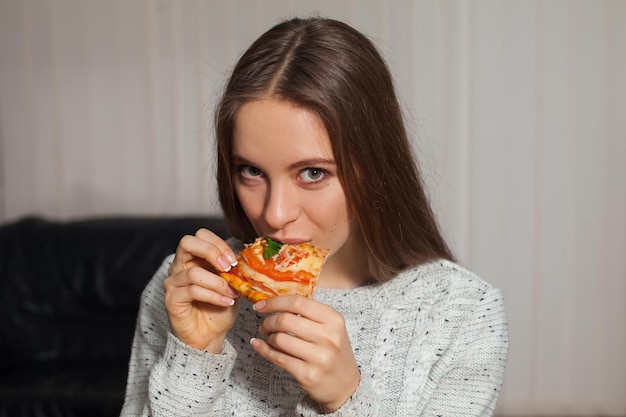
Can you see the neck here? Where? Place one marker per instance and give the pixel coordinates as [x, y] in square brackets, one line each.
[346, 268]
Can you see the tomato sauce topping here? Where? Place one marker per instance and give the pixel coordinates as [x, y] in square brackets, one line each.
[277, 266]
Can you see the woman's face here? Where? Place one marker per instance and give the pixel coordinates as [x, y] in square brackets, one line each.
[285, 177]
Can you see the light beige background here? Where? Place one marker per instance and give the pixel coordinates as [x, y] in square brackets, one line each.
[517, 110]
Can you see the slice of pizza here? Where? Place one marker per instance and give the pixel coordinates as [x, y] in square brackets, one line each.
[267, 268]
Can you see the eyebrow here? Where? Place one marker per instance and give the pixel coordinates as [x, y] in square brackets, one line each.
[311, 162]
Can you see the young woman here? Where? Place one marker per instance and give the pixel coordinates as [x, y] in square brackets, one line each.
[312, 147]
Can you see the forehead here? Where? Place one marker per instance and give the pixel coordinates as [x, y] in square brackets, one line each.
[269, 127]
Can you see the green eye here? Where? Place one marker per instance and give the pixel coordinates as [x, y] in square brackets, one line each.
[249, 171]
[312, 174]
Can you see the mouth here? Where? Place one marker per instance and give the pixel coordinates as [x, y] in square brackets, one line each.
[288, 240]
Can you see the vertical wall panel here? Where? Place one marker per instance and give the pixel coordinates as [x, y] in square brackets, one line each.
[555, 265]
[133, 106]
[42, 96]
[186, 77]
[71, 48]
[502, 172]
[613, 244]
[15, 106]
[102, 94]
[588, 79]
[164, 104]
[455, 124]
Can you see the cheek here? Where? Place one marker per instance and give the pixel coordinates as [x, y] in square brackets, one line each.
[249, 202]
[335, 216]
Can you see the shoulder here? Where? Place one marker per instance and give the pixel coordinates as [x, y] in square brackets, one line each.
[151, 306]
[463, 306]
[450, 291]
[441, 280]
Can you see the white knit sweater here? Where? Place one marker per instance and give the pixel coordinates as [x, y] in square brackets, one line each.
[431, 342]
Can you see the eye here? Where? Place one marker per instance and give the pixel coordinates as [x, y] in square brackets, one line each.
[312, 175]
[248, 171]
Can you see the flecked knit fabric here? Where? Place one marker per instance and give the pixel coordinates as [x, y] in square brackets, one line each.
[431, 342]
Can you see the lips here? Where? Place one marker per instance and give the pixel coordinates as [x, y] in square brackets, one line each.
[289, 240]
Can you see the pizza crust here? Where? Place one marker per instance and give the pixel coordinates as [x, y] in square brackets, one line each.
[245, 288]
[293, 270]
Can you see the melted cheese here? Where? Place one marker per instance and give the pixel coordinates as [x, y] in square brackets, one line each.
[280, 287]
[312, 260]
[290, 259]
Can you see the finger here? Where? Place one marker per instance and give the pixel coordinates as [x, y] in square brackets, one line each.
[223, 247]
[203, 249]
[296, 304]
[183, 296]
[307, 365]
[277, 356]
[208, 246]
[198, 284]
[302, 338]
[192, 251]
[291, 324]
[297, 347]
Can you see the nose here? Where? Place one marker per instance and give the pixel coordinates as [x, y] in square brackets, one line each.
[281, 206]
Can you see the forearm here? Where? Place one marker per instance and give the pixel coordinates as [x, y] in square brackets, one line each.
[188, 381]
[162, 367]
[182, 381]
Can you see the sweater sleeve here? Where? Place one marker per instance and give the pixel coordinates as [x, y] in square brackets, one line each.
[167, 377]
[472, 382]
[365, 402]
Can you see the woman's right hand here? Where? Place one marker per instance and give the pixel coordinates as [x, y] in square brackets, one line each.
[201, 306]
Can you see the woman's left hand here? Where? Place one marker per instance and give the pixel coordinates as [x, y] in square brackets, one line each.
[310, 341]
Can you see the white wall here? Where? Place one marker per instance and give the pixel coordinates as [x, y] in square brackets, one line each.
[518, 110]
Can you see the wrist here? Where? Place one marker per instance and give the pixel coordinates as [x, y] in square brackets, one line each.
[332, 406]
[215, 346]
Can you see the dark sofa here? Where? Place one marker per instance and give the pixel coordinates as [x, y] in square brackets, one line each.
[69, 295]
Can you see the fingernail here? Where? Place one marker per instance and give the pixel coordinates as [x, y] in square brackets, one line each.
[228, 301]
[224, 264]
[232, 259]
[233, 291]
[255, 342]
[259, 306]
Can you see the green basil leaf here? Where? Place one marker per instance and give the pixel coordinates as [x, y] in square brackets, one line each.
[272, 247]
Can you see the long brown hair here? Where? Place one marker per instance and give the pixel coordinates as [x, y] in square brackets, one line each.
[332, 69]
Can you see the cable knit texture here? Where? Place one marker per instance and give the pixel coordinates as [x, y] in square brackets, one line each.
[431, 342]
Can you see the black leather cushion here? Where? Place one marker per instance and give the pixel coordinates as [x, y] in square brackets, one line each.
[69, 296]
[62, 388]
